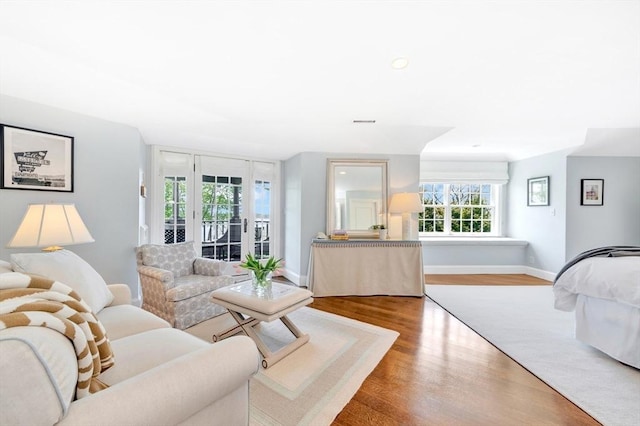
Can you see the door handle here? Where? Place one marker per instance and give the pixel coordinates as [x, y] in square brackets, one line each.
[246, 222]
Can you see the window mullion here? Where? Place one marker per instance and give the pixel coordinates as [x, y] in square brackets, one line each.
[447, 209]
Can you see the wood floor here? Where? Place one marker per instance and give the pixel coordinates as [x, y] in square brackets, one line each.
[440, 372]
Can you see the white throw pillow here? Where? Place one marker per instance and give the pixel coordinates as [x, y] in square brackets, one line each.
[70, 269]
[5, 267]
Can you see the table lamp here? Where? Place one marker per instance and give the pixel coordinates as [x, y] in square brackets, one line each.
[406, 203]
[51, 226]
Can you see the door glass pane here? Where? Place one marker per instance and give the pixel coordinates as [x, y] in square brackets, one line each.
[262, 219]
[175, 199]
[221, 228]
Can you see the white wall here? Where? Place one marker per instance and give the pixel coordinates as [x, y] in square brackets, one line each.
[542, 226]
[292, 219]
[617, 222]
[306, 210]
[106, 186]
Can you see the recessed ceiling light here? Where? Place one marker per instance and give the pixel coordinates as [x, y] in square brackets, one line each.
[399, 63]
[364, 121]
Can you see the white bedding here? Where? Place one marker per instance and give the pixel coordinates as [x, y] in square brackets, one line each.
[609, 278]
[611, 327]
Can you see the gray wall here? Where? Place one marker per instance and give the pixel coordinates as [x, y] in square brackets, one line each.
[106, 186]
[542, 226]
[617, 222]
[292, 219]
[305, 211]
[439, 256]
[110, 160]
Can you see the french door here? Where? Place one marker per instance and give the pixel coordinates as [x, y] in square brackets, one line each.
[224, 205]
[221, 207]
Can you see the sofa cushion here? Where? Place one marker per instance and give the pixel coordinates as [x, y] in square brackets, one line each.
[70, 269]
[126, 320]
[5, 267]
[177, 258]
[36, 364]
[144, 351]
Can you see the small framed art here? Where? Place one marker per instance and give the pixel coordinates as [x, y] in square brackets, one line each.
[592, 192]
[538, 191]
[35, 160]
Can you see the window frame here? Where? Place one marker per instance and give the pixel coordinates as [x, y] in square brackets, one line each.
[496, 202]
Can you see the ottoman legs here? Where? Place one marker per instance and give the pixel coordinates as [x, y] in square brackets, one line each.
[246, 325]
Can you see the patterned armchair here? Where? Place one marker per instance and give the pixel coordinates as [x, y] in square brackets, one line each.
[176, 283]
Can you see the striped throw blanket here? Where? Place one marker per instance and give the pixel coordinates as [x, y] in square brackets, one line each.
[29, 300]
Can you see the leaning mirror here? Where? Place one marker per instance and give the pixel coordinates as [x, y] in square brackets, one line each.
[356, 196]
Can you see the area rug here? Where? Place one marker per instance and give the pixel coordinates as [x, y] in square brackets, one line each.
[522, 322]
[313, 384]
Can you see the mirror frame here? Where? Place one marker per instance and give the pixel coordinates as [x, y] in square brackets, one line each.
[332, 163]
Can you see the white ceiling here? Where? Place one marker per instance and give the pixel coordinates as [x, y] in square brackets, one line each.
[486, 79]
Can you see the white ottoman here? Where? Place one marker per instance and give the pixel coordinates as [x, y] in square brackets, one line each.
[249, 309]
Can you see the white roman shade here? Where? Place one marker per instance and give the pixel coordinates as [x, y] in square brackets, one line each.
[495, 172]
[175, 163]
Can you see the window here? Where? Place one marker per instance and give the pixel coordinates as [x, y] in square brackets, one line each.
[175, 201]
[262, 218]
[459, 209]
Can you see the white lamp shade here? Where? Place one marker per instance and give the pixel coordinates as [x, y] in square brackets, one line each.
[405, 202]
[47, 225]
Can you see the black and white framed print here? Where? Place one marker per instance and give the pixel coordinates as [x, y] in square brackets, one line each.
[35, 160]
[538, 191]
[592, 192]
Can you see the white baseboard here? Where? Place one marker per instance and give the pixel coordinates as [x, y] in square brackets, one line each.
[301, 280]
[488, 269]
[297, 279]
[545, 275]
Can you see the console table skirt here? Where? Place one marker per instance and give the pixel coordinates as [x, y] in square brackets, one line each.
[366, 268]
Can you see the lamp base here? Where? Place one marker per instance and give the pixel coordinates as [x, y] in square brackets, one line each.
[52, 248]
[406, 226]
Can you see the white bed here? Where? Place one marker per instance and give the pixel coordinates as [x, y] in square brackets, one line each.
[605, 294]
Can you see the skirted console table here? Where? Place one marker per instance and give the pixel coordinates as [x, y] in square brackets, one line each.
[366, 268]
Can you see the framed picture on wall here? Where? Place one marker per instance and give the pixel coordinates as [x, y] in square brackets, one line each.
[592, 192]
[538, 191]
[35, 160]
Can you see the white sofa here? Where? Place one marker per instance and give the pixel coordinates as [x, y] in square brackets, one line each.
[161, 375]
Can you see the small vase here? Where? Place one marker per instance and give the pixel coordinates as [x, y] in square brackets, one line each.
[383, 234]
[262, 286]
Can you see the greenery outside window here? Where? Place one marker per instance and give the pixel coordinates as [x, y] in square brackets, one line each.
[175, 202]
[467, 209]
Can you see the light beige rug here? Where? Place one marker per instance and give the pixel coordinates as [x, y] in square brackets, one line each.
[522, 322]
[313, 384]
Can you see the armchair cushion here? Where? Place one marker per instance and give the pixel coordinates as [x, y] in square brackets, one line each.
[177, 258]
[210, 267]
[70, 269]
[194, 285]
